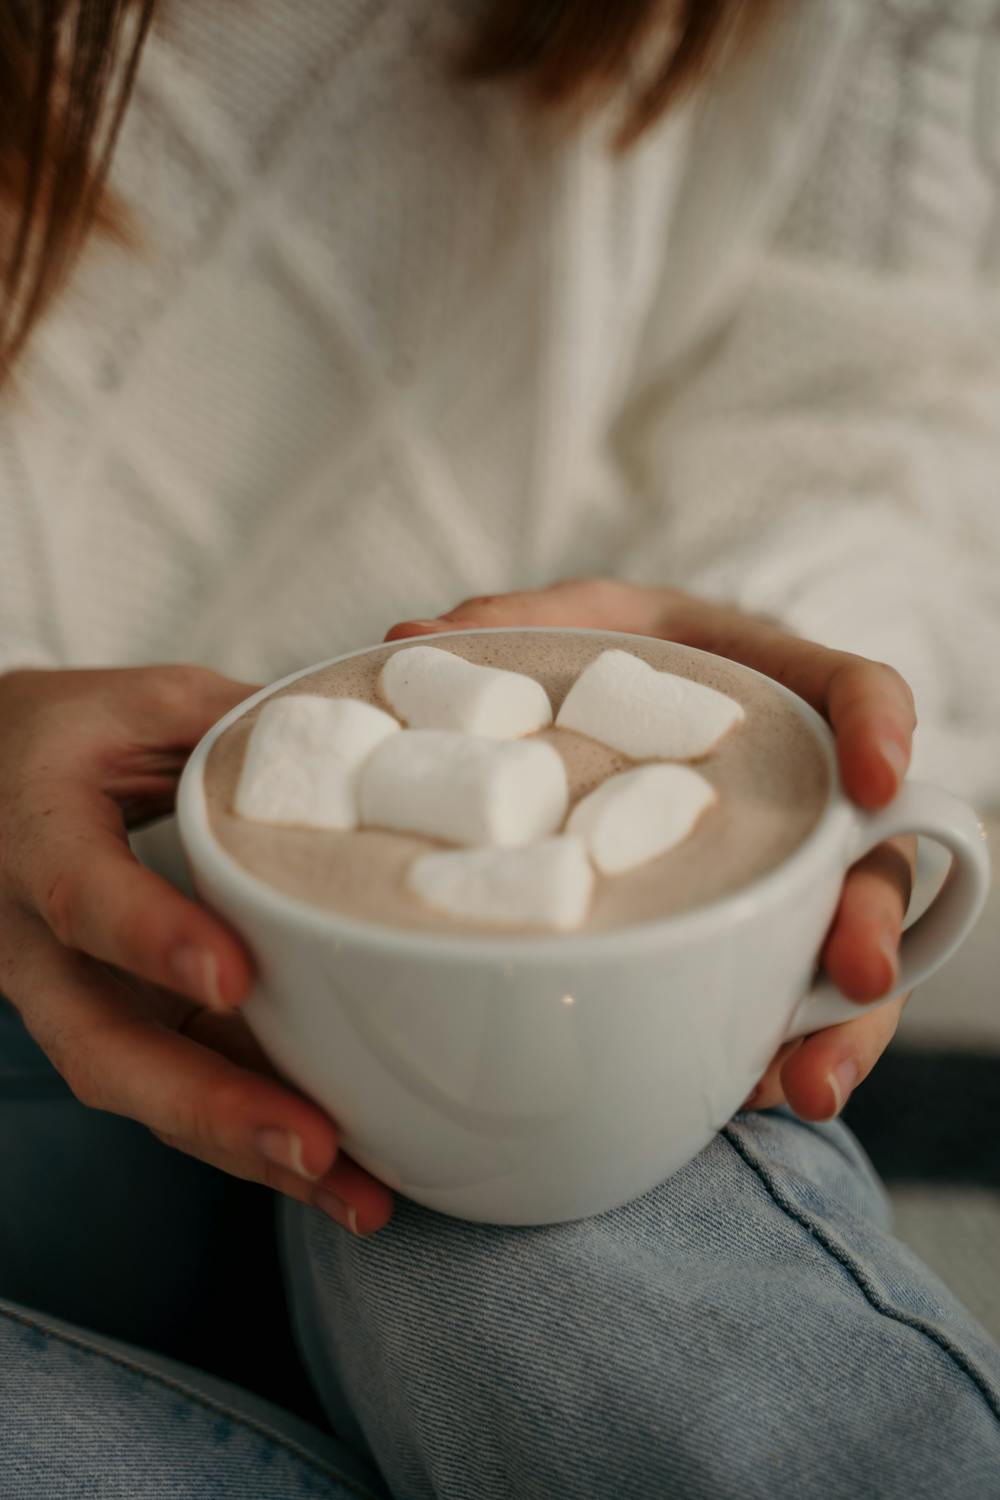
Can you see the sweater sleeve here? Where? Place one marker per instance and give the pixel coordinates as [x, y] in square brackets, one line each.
[830, 456]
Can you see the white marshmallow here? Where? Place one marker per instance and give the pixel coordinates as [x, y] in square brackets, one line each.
[646, 714]
[303, 758]
[465, 789]
[435, 689]
[634, 817]
[548, 884]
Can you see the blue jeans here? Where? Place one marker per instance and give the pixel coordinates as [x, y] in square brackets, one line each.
[750, 1328]
[116, 1253]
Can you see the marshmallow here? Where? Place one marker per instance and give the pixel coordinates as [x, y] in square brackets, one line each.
[435, 689]
[465, 789]
[640, 814]
[548, 884]
[303, 758]
[646, 714]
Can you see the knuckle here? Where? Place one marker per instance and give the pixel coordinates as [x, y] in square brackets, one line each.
[237, 1097]
[61, 902]
[610, 590]
[860, 674]
[131, 939]
[600, 594]
[164, 695]
[808, 661]
[193, 1127]
[898, 683]
[278, 1179]
[581, 581]
[884, 877]
[183, 677]
[478, 604]
[886, 674]
[170, 690]
[812, 660]
[80, 1080]
[70, 1050]
[600, 590]
[212, 1120]
[881, 1028]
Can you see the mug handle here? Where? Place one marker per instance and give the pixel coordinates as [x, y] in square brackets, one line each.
[918, 808]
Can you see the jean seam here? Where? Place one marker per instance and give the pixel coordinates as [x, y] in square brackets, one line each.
[818, 1232]
[170, 1383]
[837, 1139]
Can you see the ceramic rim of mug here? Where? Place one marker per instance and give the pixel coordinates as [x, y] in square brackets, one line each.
[203, 849]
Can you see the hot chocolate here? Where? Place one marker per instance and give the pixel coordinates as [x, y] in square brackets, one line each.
[768, 771]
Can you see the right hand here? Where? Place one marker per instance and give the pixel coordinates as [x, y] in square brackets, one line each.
[129, 988]
[871, 711]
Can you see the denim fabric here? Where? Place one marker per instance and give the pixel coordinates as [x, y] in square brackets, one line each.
[102, 1224]
[751, 1328]
[85, 1418]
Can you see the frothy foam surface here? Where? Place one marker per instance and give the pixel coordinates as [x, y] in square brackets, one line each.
[769, 772]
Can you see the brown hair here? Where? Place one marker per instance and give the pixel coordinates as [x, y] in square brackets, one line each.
[580, 52]
[67, 69]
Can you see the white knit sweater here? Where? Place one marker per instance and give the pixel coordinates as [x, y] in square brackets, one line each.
[391, 342]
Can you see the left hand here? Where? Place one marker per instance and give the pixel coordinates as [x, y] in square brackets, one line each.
[870, 709]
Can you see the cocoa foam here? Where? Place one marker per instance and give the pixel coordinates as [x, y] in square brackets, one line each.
[769, 772]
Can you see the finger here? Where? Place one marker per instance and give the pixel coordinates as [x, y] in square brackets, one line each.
[872, 713]
[225, 1032]
[95, 896]
[589, 603]
[115, 1058]
[861, 954]
[769, 1093]
[353, 1198]
[102, 724]
[172, 707]
[346, 1194]
[820, 1076]
[868, 704]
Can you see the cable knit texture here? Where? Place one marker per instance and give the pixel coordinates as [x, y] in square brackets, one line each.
[389, 342]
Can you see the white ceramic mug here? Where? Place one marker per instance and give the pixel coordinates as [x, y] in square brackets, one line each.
[528, 1080]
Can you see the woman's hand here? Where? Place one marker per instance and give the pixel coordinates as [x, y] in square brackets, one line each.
[129, 988]
[871, 711]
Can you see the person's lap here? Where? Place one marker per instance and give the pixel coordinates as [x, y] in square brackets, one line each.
[84, 1415]
[749, 1326]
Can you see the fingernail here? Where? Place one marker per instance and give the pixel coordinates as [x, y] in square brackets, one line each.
[282, 1148]
[336, 1209]
[195, 971]
[842, 1080]
[894, 755]
[407, 628]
